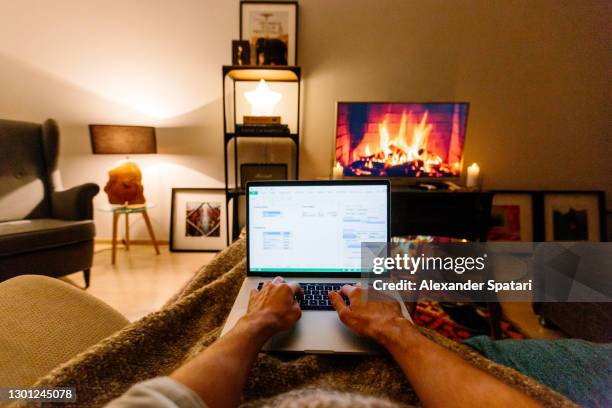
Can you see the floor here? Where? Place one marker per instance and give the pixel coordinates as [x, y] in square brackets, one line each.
[141, 282]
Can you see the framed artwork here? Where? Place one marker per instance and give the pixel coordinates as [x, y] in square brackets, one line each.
[270, 27]
[574, 216]
[512, 217]
[198, 220]
[241, 52]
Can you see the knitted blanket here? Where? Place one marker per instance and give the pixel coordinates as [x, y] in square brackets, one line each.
[160, 342]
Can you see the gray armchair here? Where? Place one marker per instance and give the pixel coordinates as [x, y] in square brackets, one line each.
[42, 230]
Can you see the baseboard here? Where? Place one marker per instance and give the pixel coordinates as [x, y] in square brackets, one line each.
[132, 241]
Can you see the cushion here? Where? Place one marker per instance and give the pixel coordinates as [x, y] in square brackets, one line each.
[45, 322]
[31, 235]
[23, 172]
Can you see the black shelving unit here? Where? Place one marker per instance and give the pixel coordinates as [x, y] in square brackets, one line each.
[242, 73]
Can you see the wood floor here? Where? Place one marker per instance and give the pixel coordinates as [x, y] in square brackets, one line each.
[141, 282]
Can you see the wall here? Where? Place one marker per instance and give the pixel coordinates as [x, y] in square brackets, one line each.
[124, 62]
[536, 74]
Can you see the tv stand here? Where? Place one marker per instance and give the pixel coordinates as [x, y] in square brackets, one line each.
[430, 185]
[452, 213]
[462, 214]
[438, 185]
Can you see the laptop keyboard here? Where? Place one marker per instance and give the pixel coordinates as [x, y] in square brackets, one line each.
[315, 295]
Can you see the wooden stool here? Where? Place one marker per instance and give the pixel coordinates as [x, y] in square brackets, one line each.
[127, 210]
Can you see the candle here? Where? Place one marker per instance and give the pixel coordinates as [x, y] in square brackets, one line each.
[472, 176]
[337, 172]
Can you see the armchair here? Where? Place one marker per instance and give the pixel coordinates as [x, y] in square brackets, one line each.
[43, 229]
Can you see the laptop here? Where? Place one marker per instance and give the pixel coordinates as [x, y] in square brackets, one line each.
[310, 232]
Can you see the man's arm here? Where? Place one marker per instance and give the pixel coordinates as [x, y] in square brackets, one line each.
[426, 364]
[219, 373]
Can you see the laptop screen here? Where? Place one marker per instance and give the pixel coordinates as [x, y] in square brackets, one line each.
[306, 228]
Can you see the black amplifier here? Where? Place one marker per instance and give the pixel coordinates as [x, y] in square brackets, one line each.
[262, 172]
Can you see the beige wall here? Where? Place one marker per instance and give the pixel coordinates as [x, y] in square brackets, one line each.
[536, 74]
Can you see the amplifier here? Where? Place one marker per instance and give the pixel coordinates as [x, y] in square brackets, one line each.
[262, 172]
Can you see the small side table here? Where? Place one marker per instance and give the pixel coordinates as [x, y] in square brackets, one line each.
[117, 210]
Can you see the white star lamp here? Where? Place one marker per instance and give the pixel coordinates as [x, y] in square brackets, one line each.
[262, 99]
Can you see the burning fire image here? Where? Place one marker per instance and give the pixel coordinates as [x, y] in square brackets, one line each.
[401, 140]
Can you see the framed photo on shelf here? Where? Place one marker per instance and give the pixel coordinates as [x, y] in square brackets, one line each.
[241, 52]
[512, 216]
[198, 220]
[270, 27]
[574, 216]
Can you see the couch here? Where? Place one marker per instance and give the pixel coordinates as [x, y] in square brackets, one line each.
[158, 343]
[43, 229]
[45, 322]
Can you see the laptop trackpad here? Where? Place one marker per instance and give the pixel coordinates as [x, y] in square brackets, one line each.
[321, 332]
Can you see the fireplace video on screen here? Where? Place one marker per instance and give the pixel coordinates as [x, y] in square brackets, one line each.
[420, 140]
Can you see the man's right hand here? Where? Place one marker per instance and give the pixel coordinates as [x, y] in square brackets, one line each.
[425, 363]
[379, 320]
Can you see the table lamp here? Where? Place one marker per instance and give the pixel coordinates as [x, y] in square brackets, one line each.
[124, 186]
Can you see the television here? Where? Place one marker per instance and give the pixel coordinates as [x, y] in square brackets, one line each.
[401, 140]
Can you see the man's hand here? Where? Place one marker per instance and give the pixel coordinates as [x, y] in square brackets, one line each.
[219, 373]
[274, 308]
[378, 320]
[425, 363]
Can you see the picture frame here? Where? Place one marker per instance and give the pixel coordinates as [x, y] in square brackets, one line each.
[574, 216]
[512, 216]
[198, 220]
[241, 52]
[271, 27]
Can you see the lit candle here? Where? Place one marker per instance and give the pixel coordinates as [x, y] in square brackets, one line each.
[472, 175]
[337, 171]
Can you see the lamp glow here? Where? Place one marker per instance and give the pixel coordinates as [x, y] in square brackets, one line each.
[262, 100]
